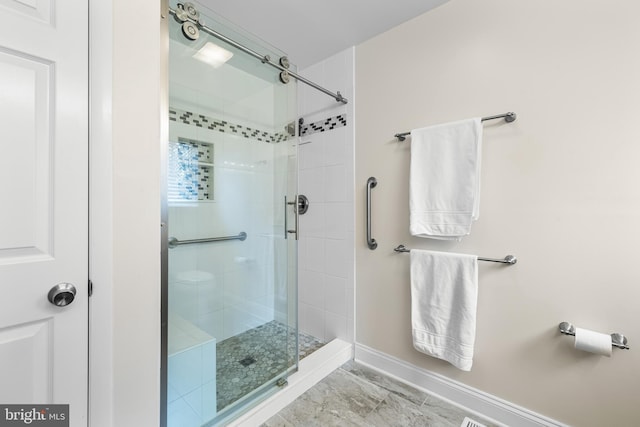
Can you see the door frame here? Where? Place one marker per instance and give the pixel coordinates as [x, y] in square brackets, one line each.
[124, 212]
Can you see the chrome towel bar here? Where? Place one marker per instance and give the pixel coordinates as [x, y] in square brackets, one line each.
[173, 242]
[509, 259]
[508, 117]
[617, 340]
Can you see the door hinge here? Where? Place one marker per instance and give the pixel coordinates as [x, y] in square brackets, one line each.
[90, 287]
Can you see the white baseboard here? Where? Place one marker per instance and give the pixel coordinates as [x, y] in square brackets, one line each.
[483, 404]
[311, 370]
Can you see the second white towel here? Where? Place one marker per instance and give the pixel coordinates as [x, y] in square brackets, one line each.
[444, 296]
[444, 187]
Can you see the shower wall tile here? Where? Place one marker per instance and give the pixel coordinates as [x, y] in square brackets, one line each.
[335, 146]
[180, 260]
[349, 299]
[336, 220]
[312, 100]
[203, 400]
[233, 265]
[350, 244]
[313, 222]
[208, 356]
[209, 298]
[313, 254]
[339, 73]
[312, 184]
[180, 413]
[309, 155]
[326, 177]
[335, 183]
[313, 319]
[335, 325]
[349, 169]
[213, 324]
[335, 298]
[185, 370]
[172, 394]
[336, 255]
[351, 328]
[349, 218]
[183, 301]
[311, 288]
[239, 319]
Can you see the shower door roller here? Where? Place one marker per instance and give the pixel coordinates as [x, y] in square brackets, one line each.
[285, 77]
[191, 11]
[62, 294]
[190, 30]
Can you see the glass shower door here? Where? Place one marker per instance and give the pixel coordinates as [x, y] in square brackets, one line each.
[231, 282]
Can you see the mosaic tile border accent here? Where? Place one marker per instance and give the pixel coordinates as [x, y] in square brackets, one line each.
[207, 122]
[324, 125]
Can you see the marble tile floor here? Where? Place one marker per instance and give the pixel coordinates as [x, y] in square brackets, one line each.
[355, 395]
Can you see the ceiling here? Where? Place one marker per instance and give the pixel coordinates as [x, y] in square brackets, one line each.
[310, 32]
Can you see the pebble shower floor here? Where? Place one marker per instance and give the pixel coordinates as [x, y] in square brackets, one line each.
[250, 359]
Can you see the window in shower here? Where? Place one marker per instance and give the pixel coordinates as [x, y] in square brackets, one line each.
[190, 171]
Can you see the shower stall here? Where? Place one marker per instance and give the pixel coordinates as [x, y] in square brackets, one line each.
[230, 211]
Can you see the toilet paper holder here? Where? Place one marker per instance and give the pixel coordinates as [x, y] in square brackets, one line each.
[617, 340]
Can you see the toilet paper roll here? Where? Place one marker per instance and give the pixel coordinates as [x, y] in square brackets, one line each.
[593, 342]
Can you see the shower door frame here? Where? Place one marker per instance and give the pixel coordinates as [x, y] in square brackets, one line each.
[164, 212]
[256, 395]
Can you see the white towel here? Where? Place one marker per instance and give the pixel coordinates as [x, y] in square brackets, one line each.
[444, 197]
[444, 295]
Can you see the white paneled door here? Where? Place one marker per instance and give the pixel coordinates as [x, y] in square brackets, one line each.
[44, 203]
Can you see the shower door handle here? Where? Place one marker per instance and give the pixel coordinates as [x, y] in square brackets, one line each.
[286, 223]
[297, 217]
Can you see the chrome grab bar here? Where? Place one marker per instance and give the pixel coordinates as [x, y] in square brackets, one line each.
[173, 242]
[371, 242]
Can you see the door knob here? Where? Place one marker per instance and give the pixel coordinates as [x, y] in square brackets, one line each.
[62, 294]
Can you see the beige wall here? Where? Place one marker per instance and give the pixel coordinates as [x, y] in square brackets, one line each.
[560, 190]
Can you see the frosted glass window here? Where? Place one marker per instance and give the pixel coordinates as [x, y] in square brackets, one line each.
[190, 171]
